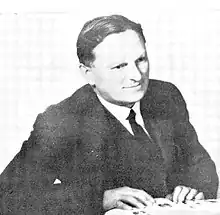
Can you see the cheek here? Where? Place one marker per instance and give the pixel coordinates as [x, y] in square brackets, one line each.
[116, 79]
[100, 79]
[109, 84]
[122, 81]
[113, 81]
[144, 68]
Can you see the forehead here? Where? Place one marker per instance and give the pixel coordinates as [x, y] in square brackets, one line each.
[119, 47]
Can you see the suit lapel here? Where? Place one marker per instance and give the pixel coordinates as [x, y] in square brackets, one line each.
[160, 129]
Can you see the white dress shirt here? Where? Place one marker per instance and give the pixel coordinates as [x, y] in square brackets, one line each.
[121, 113]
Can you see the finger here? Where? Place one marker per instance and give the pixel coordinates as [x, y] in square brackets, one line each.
[200, 196]
[163, 201]
[143, 197]
[132, 201]
[191, 195]
[169, 196]
[184, 192]
[123, 206]
[176, 193]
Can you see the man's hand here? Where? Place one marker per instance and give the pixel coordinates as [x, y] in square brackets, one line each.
[126, 198]
[183, 194]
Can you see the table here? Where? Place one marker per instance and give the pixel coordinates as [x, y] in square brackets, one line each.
[201, 207]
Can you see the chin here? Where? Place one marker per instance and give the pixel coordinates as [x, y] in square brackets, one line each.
[134, 98]
[137, 97]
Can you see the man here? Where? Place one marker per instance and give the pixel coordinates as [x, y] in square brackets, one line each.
[118, 142]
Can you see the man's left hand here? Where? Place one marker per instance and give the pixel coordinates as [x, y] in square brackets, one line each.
[183, 194]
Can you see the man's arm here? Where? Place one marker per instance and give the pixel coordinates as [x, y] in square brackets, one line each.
[194, 167]
[26, 184]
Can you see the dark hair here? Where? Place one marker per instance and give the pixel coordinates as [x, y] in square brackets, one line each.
[95, 31]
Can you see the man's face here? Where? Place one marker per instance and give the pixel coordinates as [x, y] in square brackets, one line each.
[121, 68]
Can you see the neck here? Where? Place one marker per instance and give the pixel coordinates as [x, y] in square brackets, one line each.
[119, 103]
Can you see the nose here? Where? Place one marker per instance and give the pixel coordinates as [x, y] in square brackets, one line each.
[135, 73]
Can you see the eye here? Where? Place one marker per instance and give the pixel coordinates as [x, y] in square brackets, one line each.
[119, 66]
[141, 59]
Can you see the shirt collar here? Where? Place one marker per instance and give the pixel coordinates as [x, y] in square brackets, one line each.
[136, 108]
[120, 112]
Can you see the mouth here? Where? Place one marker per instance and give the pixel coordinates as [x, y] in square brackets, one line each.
[133, 86]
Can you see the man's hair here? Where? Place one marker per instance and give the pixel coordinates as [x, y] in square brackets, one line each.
[96, 30]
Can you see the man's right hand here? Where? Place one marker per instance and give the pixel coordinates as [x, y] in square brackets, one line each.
[126, 198]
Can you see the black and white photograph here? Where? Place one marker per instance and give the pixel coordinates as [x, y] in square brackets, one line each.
[110, 107]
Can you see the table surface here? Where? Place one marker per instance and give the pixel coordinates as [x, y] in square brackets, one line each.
[202, 207]
[164, 212]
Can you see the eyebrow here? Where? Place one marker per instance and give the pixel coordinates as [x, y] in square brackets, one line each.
[121, 64]
[144, 54]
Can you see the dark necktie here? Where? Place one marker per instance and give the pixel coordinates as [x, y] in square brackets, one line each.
[143, 138]
[136, 128]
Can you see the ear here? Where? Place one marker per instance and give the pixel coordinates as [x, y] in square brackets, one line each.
[87, 73]
[84, 69]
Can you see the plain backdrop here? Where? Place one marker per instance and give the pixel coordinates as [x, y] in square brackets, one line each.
[39, 67]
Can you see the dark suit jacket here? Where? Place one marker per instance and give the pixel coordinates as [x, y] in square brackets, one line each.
[79, 142]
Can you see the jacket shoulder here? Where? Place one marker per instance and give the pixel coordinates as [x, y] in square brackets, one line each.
[74, 103]
[161, 87]
[164, 98]
[64, 117]
[164, 90]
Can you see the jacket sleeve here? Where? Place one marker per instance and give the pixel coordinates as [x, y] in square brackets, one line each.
[26, 184]
[194, 167]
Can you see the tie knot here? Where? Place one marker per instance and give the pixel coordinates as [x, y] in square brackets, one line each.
[131, 116]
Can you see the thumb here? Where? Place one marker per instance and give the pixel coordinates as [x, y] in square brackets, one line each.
[199, 196]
